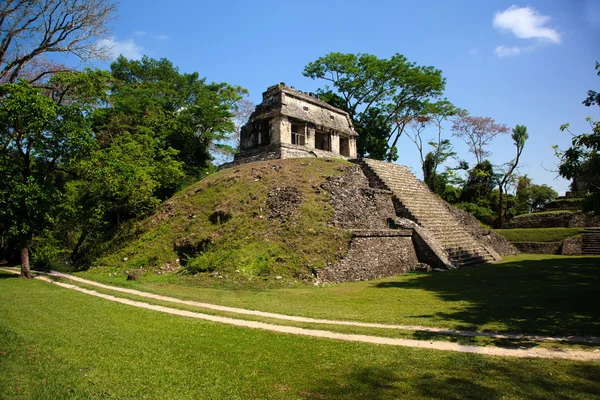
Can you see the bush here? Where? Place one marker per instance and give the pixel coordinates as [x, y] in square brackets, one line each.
[47, 253]
[480, 211]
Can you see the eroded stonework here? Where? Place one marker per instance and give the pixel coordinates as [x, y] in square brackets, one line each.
[292, 124]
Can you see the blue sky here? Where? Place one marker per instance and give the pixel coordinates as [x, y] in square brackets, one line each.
[519, 63]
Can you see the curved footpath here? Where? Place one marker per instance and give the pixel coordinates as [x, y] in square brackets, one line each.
[569, 354]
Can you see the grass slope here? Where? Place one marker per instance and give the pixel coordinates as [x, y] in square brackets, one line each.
[224, 224]
[58, 344]
[538, 235]
[527, 293]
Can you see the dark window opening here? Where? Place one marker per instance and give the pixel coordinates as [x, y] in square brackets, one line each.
[322, 141]
[345, 146]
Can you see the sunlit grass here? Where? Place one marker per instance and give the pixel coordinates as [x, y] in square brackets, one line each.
[538, 294]
[55, 343]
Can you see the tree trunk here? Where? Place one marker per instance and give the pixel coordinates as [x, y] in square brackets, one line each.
[500, 207]
[25, 257]
[75, 251]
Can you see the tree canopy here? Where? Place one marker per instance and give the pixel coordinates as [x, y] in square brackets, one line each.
[381, 95]
[581, 161]
[88, 150]
[30, 30]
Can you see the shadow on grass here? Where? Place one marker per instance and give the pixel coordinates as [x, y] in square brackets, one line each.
[476, 341]
[460, 377]
[7, 275]
[552, 296]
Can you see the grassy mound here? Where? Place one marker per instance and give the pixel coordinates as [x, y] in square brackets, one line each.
[538, 235]
[259, 219]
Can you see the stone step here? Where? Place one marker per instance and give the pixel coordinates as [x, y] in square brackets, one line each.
[428, 210]
[472, 263]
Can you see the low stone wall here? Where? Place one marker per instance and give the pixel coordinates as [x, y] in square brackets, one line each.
[278, 151]
[539, 248]
[592, 221]
[372, 257]
[265, 153]
[572, 245]
[556, 220]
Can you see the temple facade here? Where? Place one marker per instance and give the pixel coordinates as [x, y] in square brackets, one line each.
[290, 124]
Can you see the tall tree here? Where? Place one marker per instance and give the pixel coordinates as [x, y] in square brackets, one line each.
[519, 137]
[31, 30]
[397, 88]
[581, 161]
[433, 115]
[37, 137]
[477, 133]
[180, 111]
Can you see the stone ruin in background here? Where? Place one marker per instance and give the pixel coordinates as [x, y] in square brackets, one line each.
[291, 124]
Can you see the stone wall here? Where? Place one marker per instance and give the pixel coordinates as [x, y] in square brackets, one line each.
[539, 248]
[592, 221]
[356, 205]
[376, 250]
[275, 152]
[282, 107]
[572, 245]
[555, 220]
[371, 258]
[306, 108]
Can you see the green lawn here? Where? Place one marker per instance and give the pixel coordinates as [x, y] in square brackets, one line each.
[527, 293]
[538, 235]
[59, 344]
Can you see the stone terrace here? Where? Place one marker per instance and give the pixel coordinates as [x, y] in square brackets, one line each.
[418, 203]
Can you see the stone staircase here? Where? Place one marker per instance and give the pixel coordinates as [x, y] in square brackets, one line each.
[591, 241]
[415, 201]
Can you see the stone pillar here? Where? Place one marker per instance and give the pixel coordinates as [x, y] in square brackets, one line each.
[352, 145]
[310, 136]
[335, 142]
[281, 130]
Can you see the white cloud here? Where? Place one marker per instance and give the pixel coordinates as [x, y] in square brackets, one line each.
[128, 48]
[526, 23]
[158, 36]
[506, 51]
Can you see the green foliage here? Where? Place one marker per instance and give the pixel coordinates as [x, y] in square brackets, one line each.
[581, 161]
[38, 137]
[373, 129]
[538, 234]
[519, 136]
[49, 253]
[395, 88]
[481, 210]
[540, 195]
[480, 182]
[148, 131]
[179, 111]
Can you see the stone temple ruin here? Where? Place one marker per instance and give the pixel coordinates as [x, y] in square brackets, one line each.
[291, 124]
[397, 224]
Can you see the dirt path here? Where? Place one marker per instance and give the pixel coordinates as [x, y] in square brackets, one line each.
[415, 328]
[578, 355]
